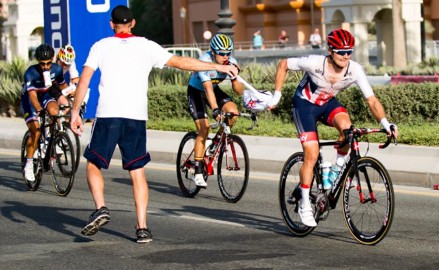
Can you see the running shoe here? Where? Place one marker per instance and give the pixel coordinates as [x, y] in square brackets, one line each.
[97, 219]
[143, 235]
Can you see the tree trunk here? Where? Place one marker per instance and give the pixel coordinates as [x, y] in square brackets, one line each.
[399, 48]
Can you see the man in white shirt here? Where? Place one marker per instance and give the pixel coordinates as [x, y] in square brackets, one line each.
[125, 62]
[315, 39]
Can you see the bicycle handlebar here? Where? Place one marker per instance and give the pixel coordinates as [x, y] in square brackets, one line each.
[358, 132]
[229, 115]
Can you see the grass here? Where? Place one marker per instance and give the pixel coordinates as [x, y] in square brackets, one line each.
[425, 134]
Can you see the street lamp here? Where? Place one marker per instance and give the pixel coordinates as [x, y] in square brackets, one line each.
[225, 22]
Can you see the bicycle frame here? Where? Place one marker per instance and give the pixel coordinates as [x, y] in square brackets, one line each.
[351, 136]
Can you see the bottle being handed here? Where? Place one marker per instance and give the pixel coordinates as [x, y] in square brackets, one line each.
[336, 170]
[326, 168]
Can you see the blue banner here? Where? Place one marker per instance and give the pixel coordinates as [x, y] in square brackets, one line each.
[80, 23]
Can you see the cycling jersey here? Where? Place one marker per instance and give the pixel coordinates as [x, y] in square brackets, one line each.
[216, 77]
[33, 81]
[313, 100]
[121, 93]
[70, 72]
[315, 88]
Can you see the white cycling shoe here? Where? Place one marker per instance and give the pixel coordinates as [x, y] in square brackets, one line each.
[306, 214]
[199, 180]
[29, 172]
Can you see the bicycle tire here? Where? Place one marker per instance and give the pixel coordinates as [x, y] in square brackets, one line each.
[62, 164]
[290, 194]
[232, 177]
[76, 143]
[185, 165]
[368, 222]
[38, 165]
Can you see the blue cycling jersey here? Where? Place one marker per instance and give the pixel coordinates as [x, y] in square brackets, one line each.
[216, 77]
[33, 79]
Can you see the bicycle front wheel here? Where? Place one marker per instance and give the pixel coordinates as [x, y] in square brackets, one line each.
[233, 169]
[185, 165]
[368, 214]
[38, 165]
[290, 195]
[74, 138]
[62, 163]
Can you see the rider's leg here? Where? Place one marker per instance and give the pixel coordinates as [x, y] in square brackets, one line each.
[230, 107]
[200, 142]
[342, 121]
[32, 142]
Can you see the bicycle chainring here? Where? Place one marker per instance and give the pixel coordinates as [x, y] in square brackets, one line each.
[322, 207]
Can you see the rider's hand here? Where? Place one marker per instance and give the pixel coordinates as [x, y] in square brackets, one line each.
[227, 62]
[391, 128]
[274, 100]
[216, 114]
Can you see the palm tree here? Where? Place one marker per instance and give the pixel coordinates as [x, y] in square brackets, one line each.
[399, 48]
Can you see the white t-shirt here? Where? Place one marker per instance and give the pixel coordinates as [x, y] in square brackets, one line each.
[125, 62]
[315, 88]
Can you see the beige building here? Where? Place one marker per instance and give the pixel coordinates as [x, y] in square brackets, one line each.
[193, 17]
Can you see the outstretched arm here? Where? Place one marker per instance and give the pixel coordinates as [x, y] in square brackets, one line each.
[378, 112]
[281, 74]
[81, 90]
[189, 63]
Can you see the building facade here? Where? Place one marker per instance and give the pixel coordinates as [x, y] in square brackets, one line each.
[299, 18]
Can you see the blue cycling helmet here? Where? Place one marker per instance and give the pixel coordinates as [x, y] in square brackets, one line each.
[221, 42]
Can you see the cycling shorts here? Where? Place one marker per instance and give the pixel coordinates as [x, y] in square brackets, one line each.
[306, 115]
[29, 111]
[128, 134]
[197, 101]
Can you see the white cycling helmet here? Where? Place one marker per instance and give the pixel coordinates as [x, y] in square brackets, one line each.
[256, 101]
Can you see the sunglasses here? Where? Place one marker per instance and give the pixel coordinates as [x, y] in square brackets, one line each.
[44, 64]
[343, 52]
[224, 53]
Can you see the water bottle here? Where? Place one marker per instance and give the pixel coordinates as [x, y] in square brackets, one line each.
[326, 168]
[208, 145]
[44, 147]
[336, 169]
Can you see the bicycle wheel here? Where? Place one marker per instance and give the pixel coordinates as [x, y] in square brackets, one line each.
[185, 165]
[62, 164]
[368, 214]
[290, 195]
[38, 165]
[74, 138]
[233, 169]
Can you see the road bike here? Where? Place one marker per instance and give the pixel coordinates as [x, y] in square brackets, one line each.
[230, 153]
[365, 185]
[55, 154]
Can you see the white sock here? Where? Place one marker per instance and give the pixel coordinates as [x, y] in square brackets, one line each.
[29, 160]
[305, 195]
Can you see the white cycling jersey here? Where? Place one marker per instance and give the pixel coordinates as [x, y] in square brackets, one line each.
[314, 86]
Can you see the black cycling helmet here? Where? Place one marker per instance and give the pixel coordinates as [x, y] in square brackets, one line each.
[44, 52]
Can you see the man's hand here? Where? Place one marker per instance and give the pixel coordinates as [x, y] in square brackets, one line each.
[76, 122]
[216, 114]
[231, 70]
[274, 100]
[391, 128]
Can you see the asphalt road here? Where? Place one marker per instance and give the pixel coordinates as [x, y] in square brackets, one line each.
[40, 230]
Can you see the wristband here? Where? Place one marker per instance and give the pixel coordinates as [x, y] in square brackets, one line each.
[385, 124]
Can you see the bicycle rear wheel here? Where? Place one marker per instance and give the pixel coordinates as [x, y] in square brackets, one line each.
[38, 165]
[62, 163]
[290, 195]
[185, 165]
[368, 214]
[233, 169]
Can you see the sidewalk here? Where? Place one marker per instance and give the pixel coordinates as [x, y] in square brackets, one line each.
[407, 165]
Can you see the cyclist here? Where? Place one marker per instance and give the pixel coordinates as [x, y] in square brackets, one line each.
[66, 59]
[325, 77]
[203, 89]
[36, 96]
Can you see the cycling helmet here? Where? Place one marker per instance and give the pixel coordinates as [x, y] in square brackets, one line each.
[256, 101]
[221, 42]
[66, 54]
[340, 39]
[44, 52]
